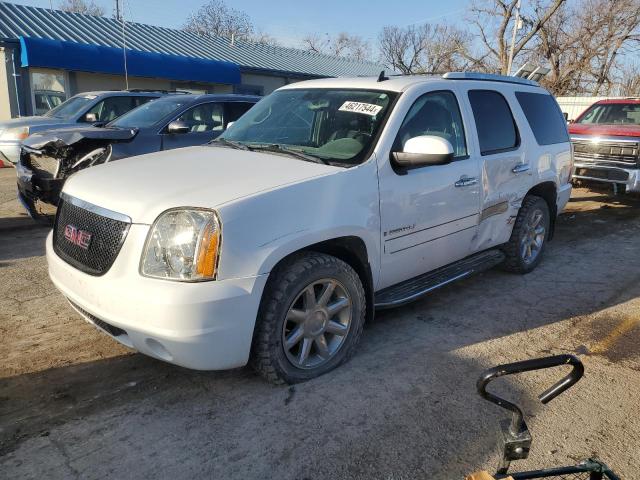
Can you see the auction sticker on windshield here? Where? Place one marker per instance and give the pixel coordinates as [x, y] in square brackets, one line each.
[359, 107]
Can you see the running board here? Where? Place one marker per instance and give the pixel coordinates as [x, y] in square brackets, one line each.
[416, 287]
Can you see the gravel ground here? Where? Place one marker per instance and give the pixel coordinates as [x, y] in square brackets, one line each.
[75, 404]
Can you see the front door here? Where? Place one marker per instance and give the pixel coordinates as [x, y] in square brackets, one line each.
[430, 214]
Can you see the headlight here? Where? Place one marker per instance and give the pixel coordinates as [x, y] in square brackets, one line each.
[19, 133]
[183, 244]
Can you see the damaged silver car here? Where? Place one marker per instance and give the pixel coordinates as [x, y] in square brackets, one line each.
[47, 159]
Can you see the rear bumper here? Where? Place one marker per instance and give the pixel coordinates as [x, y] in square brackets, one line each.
[630, 177]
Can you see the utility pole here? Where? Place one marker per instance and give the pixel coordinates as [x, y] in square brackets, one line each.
[516, 26]
[118, 11]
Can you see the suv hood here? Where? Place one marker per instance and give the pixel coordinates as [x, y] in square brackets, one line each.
[605, 130]
[143, 187]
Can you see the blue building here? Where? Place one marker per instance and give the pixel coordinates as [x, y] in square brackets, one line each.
[48, 55]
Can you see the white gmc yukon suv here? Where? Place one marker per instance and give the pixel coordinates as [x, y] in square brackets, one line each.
[328, 199]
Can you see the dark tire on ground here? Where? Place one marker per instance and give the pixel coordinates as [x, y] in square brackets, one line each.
[516, 258]
[288, 284]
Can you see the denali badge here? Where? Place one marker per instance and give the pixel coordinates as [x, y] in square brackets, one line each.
[80, 238]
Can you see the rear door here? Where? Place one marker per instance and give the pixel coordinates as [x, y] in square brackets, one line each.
[206, 121]
[505, 169]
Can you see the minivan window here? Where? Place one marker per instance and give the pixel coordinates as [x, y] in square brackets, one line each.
[494, 121]
[336, 125]
[544, 117]
[71, 107]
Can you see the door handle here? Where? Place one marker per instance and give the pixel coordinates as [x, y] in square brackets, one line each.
[520, 168]
[466, 182]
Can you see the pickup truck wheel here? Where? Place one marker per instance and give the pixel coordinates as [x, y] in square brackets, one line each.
[529, 236]
[310, 320]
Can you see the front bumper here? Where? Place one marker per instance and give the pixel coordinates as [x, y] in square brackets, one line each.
[630, 177]
[10, 152]
[203, 325]
[32, 187]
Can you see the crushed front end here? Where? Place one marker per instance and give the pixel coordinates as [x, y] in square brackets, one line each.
[47, 160]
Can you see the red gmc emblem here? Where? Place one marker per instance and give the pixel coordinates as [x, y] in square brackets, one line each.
[78, 237]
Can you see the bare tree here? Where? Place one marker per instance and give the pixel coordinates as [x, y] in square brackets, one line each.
[615, 30]
[216, 19]
[629, 85]
[493, 21]
[81, 6]
[425, 48]
[342, 45]
[584, 45]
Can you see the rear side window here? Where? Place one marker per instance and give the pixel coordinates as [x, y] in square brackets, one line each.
[496, 127]
[137, 101]
[544, 116]
[236, 109]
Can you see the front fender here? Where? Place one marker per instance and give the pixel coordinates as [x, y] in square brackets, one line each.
[261, 230]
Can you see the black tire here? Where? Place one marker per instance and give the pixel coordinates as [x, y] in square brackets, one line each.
[285, 286]
[515, 257]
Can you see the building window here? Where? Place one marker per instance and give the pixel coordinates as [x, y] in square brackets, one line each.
[48, 90]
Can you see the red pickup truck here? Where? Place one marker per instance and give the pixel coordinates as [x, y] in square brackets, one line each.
[606, 143]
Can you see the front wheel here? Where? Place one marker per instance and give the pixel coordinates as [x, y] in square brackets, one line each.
[310, 320]
[529, 236]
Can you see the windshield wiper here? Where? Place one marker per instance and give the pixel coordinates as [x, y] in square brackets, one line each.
[274, 147]
[230, 143]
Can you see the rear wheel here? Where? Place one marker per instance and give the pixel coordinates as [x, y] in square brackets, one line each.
[310, 318]
[529, 236]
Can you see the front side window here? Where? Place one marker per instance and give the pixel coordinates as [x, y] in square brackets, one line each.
[544, 117]
[438, 114]
[332, 124]
[204, 118]
[150, 113]
[494, 122]
[611, 114]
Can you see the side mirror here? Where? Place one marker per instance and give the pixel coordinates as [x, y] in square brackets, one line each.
[422, 151]
[178, 127]
[91, 118]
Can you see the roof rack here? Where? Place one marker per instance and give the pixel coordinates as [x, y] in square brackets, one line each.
[154, 90]
[488, 77]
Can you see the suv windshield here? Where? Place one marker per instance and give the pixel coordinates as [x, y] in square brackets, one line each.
[612, 114]
[71, 107]
[334, 125]
[150, 113]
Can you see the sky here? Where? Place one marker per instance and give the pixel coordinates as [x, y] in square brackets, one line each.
[290, 20]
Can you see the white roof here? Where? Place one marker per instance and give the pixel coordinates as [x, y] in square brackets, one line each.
[393, 84]
[403, 82]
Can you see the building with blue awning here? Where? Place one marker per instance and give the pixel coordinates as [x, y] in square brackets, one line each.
[48, 55]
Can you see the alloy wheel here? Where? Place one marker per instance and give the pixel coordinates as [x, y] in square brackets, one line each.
[317, 323]
[533, 237]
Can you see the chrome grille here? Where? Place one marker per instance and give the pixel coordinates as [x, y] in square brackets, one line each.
[619, 152]
[107, 235]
